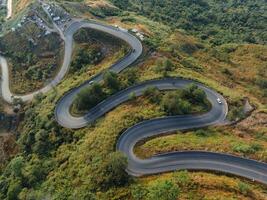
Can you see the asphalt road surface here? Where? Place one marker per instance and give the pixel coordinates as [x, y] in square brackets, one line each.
[68, 39]
[192, 160]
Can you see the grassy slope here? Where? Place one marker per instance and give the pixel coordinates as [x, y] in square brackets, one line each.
[76, 161]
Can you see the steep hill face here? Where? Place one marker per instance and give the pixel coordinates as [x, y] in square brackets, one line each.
[218, 22]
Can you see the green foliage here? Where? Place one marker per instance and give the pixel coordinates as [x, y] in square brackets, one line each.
[129, 77]
[216, 21]
[194, 94]
[191, 63]
[14, 189]
[138, 192]
[84, 57]
[15, 167]
[182, 178]
[88, 97]
[132, 96]
[22, 174]
[174, 105]
[247, 149]
[164, 66]
[111, 81]
[163, 190]
[244, 188]
[180, 102]
[201, 133]
[261, 82]
[112, 172]
[236, 113]
[153, 94]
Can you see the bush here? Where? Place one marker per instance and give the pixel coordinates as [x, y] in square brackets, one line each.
[236, 113]
[85, 56]
[247, 149]
[244, 188]
[194, 94]
[111, 172]
[111, 81]
[164, 66]
[163, 190]
[174, 105]
[153, 94]
[138, 192]
[88, 97]
[202, 133]
[132, 96]
[182, 178]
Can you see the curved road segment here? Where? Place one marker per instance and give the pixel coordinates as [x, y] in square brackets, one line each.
[193, 160]
[68, 39]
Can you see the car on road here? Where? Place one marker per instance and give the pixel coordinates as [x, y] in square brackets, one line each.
[219, 100]
[91, 82]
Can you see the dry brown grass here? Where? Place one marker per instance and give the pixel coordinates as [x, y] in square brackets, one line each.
[19, 5]
[98, 3]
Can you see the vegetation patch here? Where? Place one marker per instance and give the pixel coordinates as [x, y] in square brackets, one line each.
[33, 58]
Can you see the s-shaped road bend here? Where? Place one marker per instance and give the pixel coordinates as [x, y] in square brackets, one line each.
[192, 160]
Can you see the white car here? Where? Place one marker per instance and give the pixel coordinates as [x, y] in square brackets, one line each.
[219, 101]
[91, 82]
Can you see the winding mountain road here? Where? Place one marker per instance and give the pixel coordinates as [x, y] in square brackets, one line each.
[193, 160]
[68, 39]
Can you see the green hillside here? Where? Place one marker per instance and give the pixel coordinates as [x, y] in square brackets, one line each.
[221, 44]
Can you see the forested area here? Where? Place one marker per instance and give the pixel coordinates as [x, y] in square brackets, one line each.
[218, 22]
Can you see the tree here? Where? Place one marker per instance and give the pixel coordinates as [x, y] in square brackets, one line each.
[130, 77]
[111, 81]
[194, 94]
[163, 190]
[174, 105]
[115, 169]
[42, 143]
[15, 166]
[153, 94]
[111, 172]
[14, 189]
[88, 97]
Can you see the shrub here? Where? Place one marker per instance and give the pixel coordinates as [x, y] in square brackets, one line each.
[182, 178]
[247, 149]
[174, 105]
[111, 172]
[111, 81]
[244, 188]
[88, 97]
[163, 190]
[153, 94]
